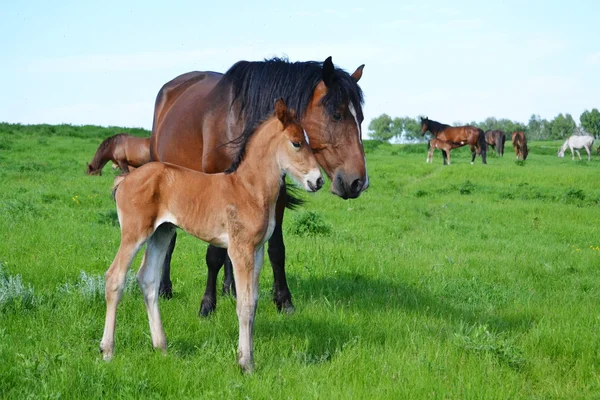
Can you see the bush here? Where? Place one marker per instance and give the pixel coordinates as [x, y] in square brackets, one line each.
[14, 295]
[309, 223]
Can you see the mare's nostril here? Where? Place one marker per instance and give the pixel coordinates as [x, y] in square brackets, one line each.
[356, 186]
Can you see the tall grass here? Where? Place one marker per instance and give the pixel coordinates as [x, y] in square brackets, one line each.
[466, 281]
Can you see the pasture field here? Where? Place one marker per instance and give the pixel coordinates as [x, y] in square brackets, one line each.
[464, 282]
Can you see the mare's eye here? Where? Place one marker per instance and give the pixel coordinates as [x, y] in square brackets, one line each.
[337, 116]
[296, 144]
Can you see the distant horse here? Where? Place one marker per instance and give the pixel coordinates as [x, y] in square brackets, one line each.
[519, 142]
[445, 147]
[496, 138]
[459, 136]
[198, 114]
[576, 143]
[124, 150]
[233, 210]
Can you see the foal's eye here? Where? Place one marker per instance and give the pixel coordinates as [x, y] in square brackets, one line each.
[337, 117]
[296, 144]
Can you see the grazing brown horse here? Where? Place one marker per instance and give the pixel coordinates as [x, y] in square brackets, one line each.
[459, 136]
[124, 150]
[233, 210]
[445, 147]
[198, 116]
[520, 144]
[496, 138]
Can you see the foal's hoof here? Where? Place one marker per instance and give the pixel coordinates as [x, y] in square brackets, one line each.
[165, 292]
[207, 307]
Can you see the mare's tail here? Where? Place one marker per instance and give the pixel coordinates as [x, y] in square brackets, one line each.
[482, 146]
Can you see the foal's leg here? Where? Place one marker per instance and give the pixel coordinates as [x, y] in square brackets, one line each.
[148, 277]
[115, 283]
[247, 264]
[578, 154]
[215, 257]
[448, 156]
[281, 292]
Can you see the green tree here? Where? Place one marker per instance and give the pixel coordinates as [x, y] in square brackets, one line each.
[590, 121]
[380, 128]
[562, 126]
[538, 128]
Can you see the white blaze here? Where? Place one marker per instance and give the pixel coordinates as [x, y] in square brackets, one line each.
[306, 137]
[353, 112]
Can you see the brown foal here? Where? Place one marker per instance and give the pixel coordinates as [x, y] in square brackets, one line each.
[443, 146]
[235, 209]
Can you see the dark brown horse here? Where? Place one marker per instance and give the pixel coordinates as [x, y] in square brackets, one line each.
[496, 138]
[199, 115]
[124, 150]
[520, 144]
[459, 136]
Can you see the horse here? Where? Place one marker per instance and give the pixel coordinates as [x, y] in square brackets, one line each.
[233, 210]
[496, 138]
[124, 150]
[459, 136]
[198, 114]
[445, 147]
[519, 142]
[576, 143]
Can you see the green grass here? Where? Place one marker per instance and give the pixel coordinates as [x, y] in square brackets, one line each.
[466, 281]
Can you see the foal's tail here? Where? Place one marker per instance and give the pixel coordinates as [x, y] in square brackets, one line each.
[116, 183]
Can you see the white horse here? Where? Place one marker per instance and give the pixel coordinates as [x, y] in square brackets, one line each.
[577, 142]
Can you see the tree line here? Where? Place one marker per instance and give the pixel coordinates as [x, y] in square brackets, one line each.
[407, 129]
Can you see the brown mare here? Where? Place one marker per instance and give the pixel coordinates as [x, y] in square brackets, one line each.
[445, 147]
[199, 114]
[459, 136]
[496, 138]
[233, 210]
[520, 144]
[124, 150]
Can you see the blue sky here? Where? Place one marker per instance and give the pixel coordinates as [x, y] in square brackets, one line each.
[103, 62]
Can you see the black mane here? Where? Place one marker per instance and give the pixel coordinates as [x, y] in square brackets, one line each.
[257, 84]
[434, 126]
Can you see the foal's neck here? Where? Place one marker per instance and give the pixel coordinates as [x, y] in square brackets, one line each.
[259, 171]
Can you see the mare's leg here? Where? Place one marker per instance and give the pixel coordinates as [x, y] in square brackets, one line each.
[473, 154]
[148, 277]
[578, 154]
[228, 281]
[444, 156]
[247, 263]
[281, 292]
[215, 257]
[166, 287]
[115, 283]
[123, 166]
[589, 153]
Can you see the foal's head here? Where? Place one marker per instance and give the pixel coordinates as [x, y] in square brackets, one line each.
[294, 154]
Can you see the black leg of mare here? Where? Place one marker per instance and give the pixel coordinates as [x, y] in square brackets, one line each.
[281, 292]
[445, 157]
[229, 281]
[166, 288]
[215, 258]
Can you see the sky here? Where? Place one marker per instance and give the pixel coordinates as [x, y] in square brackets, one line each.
[102, 63]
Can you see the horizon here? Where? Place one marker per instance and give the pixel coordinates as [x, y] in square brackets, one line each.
[103, 64]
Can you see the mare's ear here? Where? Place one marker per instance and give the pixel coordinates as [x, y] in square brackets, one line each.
[281, 110]
[356, 75]
[328, 72]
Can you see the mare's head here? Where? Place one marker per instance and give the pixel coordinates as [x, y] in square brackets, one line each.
[332, 120]
[424, 125]
[294, 154]
[93, 171]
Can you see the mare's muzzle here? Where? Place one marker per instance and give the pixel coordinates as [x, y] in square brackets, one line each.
[349, 186]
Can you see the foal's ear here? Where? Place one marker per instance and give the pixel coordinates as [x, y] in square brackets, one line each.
[356, 75]
[281, 110]
[328, 72]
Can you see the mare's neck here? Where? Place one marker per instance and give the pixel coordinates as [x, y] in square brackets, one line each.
[259, 171]
[436, 127]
